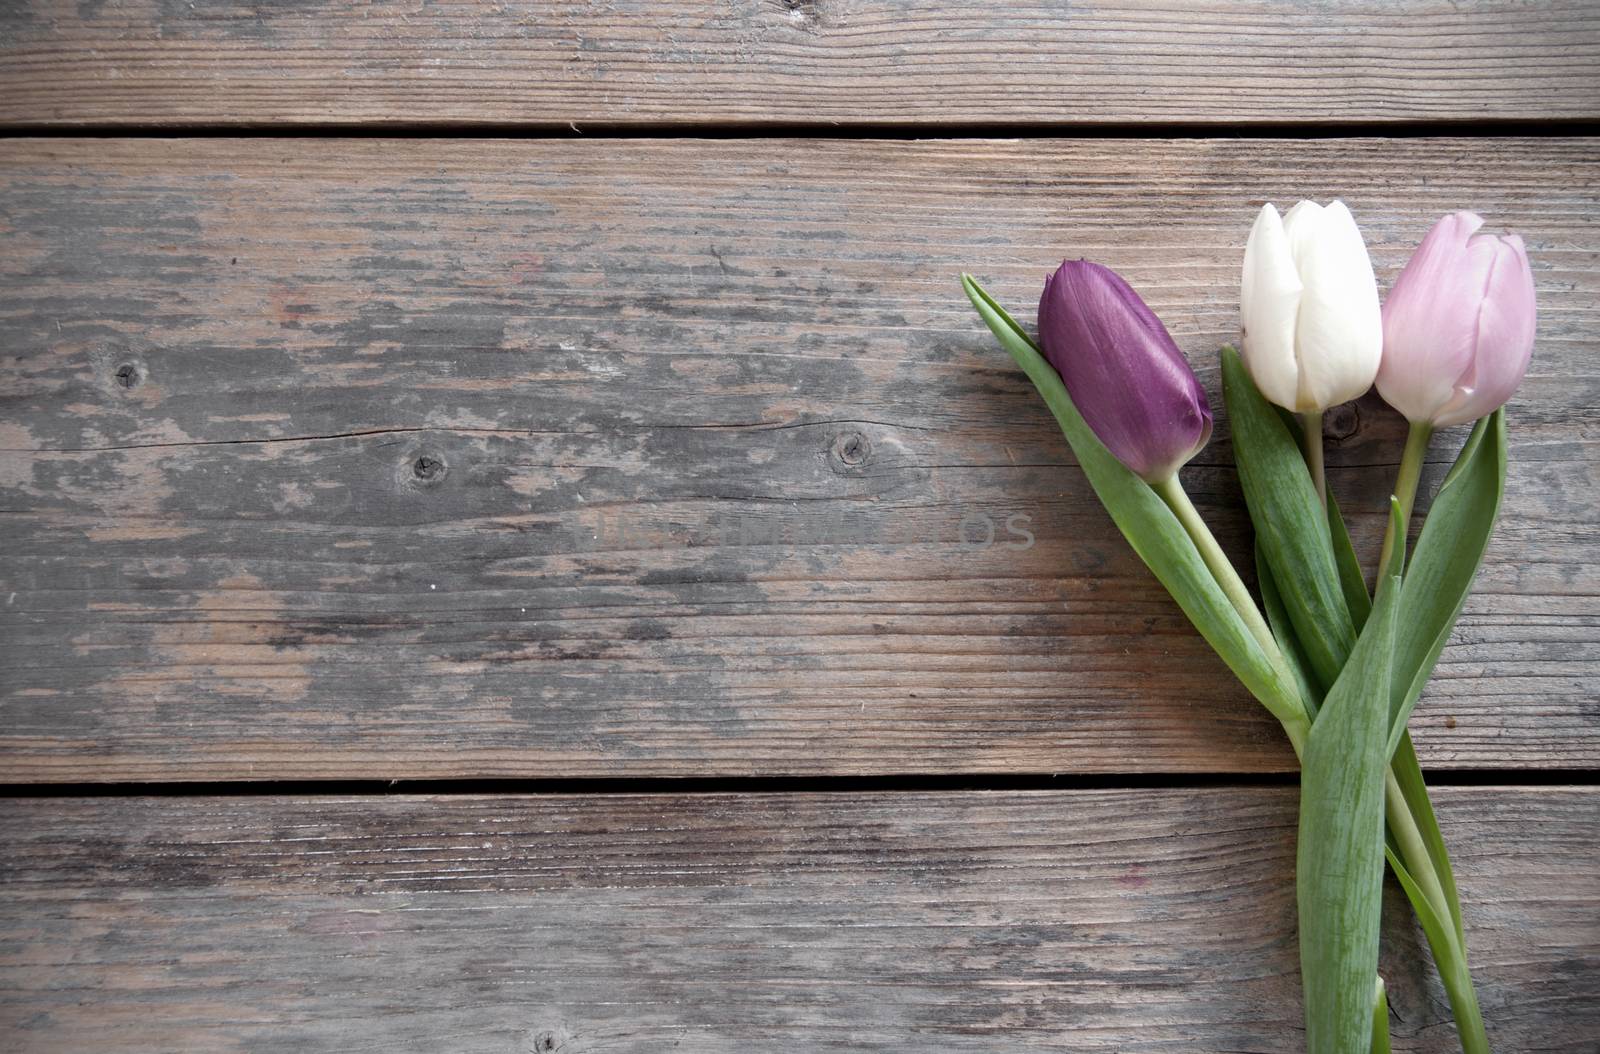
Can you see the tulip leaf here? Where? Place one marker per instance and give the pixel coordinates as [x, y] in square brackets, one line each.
[1403, 760]
[1408, 775]
[1290, 521]
[1339, 860]
[1454, 537]
[1380, 1019]
[1434, 928]
[1351, 581]
[1403, 764]
[1146, 522]
[1283, 633]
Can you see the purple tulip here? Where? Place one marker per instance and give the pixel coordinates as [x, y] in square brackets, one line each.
[1458, 325]
[1126, 376]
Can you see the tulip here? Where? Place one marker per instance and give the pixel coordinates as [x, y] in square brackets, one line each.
[1125, 375]
[1136, 392]
[1312, 328]
[1457, 336]
[1458, 325]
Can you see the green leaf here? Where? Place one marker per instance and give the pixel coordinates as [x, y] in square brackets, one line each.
[1283, 633]
[1339, 862]
[1437, 930]
[1380, 1019]
[1448, 552]
[1290, 521]
[1351, 581]
[1449, 958]
[1408, 774]
[1146, 521]
[1403, 760]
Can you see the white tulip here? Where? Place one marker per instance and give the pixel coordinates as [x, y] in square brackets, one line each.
[1313, 332]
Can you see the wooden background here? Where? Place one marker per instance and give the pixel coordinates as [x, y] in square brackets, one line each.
[627, 496]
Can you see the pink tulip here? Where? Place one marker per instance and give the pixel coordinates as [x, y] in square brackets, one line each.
[1458, 325]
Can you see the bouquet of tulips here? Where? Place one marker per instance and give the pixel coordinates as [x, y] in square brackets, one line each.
[1339, 667]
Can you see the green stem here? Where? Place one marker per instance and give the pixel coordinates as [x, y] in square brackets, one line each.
[1216, 560]
[1452, 966]
[1233, 588]
[1413, 850]
[1311, 427]
[1449, 956]
[1405, 485]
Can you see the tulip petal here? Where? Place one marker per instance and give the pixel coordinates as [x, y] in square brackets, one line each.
[1339, 330]
[1302, 225]
[1430, 319]
[1505, 330]
[1126, 375]
[1269, 303]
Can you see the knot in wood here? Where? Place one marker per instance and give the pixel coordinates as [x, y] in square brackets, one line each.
[851, 449]
[1341, 422]
[127, 375]
[428, 468]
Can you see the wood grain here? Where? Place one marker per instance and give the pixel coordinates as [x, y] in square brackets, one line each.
[553, 459]
[765, 62]
[1134, 921]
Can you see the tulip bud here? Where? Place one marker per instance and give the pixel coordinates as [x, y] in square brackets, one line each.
[1458, 325]
[1312, 328]
[1125, 375]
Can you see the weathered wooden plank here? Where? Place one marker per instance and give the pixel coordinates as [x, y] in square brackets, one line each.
[353, 458]
[1085, 921]
[753, 62]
